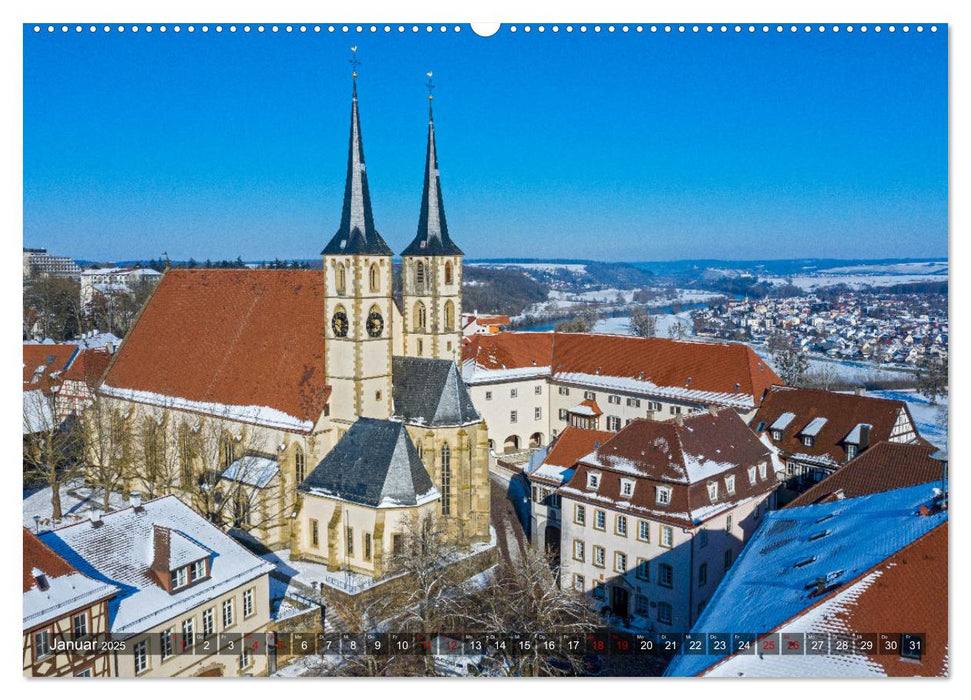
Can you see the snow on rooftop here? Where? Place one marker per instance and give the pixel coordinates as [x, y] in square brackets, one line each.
[783, 421]
[119, 551]
[856, 435]
[38, 416]
[834, 544]
[252, 471]
[62, 595]
[643, 386]
[814, 426]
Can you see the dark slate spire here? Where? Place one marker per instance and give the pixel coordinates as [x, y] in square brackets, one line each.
[356, 234]
[432, 237]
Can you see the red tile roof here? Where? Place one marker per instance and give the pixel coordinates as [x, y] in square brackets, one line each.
[574, 443]
[706, 447]
[883, 467]
[843, 412]
[231, 337]
[727, 368]
[89, 366]
[39, 555]
[52, 358]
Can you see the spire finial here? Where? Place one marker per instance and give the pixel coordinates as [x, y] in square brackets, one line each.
[354, 62]
[430, 85]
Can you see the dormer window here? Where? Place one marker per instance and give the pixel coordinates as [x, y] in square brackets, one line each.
[199, 570]
[851, 451]
[713, 491]
[627, 487]
[180, 577]
[730, 484]
[662, 495]
[763, 467]
[751, 475]
[593, 480]
[808, 440]
[776, 435]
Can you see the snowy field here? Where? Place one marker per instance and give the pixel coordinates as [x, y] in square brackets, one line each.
[620, 325]
[813, 282]
[576, 268]
[935, 267]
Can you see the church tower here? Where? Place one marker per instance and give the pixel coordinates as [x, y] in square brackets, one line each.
[432, 273]
[357, 300]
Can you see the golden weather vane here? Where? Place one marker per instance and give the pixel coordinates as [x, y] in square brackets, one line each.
[354, 62]
[429, 84]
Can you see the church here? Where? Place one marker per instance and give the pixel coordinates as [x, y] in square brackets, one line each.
[309, 409]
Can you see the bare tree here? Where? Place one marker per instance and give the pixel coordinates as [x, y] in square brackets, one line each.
[51, 448]
[527, 597]
[825, 376]
[643, 324]
[108, 446]
[790, 362]
[932, 378]
[678, 330]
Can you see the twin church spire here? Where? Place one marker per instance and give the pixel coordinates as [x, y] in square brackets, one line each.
[357, 234]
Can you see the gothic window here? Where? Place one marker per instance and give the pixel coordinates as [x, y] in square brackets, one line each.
[420, 276]
[227, 451]
[341, 275]
[375, 278]
[446, 480]
[448, 272]
[449, 316]
[185, 456]
[421, 451]
[299, 464]
[151, 441]
[420, 316]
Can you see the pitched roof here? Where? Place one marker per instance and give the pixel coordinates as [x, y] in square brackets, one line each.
[44, 364]
[565, 451]
[427, 391]
[252, 470]
[375, 464]
[883, 467]
[121, 551]
[906, 592]
[432, 237]
[726, 373]
[52, 587]
[705, 448]
[829, 417]
[801, 557]
[88, 366]
[356, 234]
[248, 344]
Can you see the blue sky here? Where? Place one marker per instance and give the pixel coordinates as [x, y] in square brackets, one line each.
[603, 146]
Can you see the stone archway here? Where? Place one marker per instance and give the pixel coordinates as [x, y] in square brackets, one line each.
[511, 444]
[536, 440]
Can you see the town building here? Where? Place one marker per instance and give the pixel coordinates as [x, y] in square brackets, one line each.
[110, 281]
[39, 263]
[530, 386]
[184, 589]
[549, 468]
[816, 432]
[862, 579]
[477, 324]
[65, 615]
[239, 385]
[656, 515]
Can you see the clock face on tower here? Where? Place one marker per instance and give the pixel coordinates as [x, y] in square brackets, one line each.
[339, 324]
[375, 324]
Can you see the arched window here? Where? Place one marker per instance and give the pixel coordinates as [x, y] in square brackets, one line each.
[227, 451]
[446, 480]
[299, 464]
[420, 450]
[419, 316]
[241, 510]
[448, 272]
[151, 441]
[186, 456]
[419, 276]
[341, 275]
[449, 316]
[375, 278]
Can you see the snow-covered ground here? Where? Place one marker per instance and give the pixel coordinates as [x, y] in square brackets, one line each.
[77, 501]
[931, 420]
[907, 268]
[620, 325]
[812, 282]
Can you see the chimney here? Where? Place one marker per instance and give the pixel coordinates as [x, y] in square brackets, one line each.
[860, 391]
[678, 419]
[135, 500]
[713, 409]
[94, 516]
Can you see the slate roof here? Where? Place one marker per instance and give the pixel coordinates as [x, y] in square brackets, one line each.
[722, 373]
[430, 392]
[120, 552]
[356, 234]
[52, 587]
[883, 467]
[248, 344]
[800, 557]
[375, 464]
[432, 237]
[831, 417]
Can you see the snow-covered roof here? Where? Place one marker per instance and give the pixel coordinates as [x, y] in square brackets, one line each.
[856, 435]
[799, 556]
[38, 416]
[586, 408]
[252, 471]
[783, 421]
[120, 551]
[814, 426]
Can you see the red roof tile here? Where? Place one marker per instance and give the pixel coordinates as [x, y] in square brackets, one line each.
[39, 555]
[843, 412]
[41, 361]
[883, 467]
[727, 368]
[574, 443]
[232, 337]
[89, 366]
